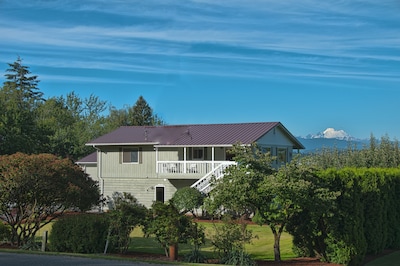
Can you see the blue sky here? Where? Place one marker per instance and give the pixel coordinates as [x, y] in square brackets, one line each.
[309, 64]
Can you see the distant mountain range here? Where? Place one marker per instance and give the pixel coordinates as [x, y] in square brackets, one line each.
[330, 138]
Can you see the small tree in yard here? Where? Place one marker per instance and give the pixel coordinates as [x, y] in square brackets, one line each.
[36, 189]
[170, 227]
[187, 199]
[125, 215]
[288, 192]
[274, 196]
[229, 240]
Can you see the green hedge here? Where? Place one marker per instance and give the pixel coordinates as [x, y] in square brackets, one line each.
[83, 233]
[366, 218]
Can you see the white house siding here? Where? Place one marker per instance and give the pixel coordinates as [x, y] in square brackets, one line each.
[91, 170]
[141, 189]
[170, 154]
[112, 165]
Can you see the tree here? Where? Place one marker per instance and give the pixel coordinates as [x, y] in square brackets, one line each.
[237, 192]
[140, 114]
[36, 189]
[274, 196]
[125, 214]
[70, 122]
[293, 189]
[187, 199]
[170, 228]
[19, 98]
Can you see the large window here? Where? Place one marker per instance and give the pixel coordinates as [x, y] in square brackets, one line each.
[130, 155]
[266, 149]
[282, 155]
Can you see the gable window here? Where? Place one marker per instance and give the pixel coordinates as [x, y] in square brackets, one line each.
[198, 153]
[130, 155]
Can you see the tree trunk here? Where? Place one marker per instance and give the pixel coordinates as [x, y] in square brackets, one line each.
[277, 248]
[173, 252]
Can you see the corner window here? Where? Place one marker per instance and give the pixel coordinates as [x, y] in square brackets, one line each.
[282, 155]
[266, 150]
[130, 155]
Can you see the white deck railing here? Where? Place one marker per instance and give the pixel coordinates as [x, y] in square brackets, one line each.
[204, 184]
[187, 167]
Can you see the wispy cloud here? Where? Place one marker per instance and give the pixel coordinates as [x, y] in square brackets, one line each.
[286, 38]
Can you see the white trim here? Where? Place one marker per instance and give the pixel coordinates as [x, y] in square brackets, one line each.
[123, 144]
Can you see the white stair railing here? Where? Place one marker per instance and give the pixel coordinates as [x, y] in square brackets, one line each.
[204, 184]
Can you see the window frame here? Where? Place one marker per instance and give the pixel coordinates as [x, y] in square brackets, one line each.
[196, 150]
[131, 150]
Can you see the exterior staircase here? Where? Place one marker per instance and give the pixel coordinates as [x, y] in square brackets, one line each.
[204, 184]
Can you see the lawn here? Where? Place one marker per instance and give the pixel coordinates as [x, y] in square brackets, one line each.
[393, 259]
[261, 247]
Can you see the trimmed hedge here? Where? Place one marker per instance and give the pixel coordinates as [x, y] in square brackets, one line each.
[366, 218]
[83, 233]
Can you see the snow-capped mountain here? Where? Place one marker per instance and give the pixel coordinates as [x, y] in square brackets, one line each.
[330, 138]
[331, 133]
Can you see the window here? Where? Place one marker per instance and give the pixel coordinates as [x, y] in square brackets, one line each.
[130, 155]
[282, 155]
[266, 150]
[198, 153]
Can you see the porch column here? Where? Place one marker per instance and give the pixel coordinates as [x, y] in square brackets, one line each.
[212, 156]
[156, 148]
[184, 160]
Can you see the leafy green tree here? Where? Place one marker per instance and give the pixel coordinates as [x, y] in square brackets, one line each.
[274, 196]
[125, 214]
[70, 122]
[19, 98]
[170, 227]
[140, 114]
[36, 189]
[237, 191]
[293, 189]
[187, 199]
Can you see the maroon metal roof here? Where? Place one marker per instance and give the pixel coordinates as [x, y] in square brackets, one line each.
[91, 158]
[192, 135]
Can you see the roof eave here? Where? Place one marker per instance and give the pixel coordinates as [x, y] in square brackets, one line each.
[122, 144]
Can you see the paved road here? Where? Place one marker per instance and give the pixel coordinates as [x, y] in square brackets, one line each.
[17, 259]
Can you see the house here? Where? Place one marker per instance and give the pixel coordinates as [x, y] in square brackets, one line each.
[152, 162]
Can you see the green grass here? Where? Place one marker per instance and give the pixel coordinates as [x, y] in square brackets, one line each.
[393, 259]
[261, 248]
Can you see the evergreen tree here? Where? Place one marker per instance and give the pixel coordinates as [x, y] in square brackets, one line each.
[19, 98]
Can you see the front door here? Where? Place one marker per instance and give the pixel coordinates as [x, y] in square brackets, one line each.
[160, 194]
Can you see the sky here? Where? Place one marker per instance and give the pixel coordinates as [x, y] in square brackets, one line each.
[309, 64]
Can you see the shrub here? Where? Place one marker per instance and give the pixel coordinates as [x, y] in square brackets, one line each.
[238, 257]
[187, 199]
[5, 232]
[125, 215]
[230, 236]
[85, 233]
[195, 256]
